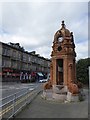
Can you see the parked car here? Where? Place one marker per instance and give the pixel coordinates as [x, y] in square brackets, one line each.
[39, 76]
[43, 80]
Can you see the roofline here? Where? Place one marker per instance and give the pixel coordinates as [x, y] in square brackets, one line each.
[36, 55]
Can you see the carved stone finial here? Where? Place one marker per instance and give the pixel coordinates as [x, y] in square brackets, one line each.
[71, 33]
[63, 25]
[72, 39]
[63, 22]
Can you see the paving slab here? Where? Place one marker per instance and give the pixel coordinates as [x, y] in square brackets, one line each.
[41, 108]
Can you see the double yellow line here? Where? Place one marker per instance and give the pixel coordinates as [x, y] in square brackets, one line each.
[13, 105]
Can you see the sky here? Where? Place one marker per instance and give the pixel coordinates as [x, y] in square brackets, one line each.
[33, 24]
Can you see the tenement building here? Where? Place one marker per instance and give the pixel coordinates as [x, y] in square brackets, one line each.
[14, 60]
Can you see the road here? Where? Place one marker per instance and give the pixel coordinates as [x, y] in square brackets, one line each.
[9, 88]
[19, 93]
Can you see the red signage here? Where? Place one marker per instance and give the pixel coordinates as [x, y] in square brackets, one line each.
[7, 70]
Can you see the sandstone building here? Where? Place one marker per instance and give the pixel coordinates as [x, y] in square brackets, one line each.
[14, 60]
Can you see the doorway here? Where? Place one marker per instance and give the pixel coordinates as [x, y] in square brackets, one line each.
[59, 71]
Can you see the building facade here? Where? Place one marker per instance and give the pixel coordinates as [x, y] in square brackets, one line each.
[14, 60]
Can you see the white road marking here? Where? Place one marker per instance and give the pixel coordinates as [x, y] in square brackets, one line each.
[24, 86]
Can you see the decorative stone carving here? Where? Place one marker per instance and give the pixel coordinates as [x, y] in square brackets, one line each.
[47, 85]
[63, 50]
[63, 68]
[73, 88]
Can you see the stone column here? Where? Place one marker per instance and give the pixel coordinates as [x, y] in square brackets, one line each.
[65, 71]
[51, 73]
[70, 73]
[54, 72]
[73, 71]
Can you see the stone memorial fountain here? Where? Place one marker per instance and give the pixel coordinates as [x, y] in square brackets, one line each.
[63, 85]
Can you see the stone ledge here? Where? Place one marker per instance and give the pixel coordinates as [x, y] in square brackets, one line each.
[72, 98]
[59, 97]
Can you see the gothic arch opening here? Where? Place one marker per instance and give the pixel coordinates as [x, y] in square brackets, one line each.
[59, 71]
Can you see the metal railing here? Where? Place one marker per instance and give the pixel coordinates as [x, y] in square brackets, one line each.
[12, 104]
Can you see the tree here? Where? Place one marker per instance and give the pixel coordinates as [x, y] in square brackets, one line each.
[82, 70]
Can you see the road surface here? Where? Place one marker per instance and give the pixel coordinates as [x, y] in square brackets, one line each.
[15, 94]
[10, 88]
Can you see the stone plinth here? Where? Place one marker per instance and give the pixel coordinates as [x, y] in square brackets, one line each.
[50, 95]
[47, 94]
[57, 93]
[60, 89]
[59, 97]
[72, 98]
[60, 93]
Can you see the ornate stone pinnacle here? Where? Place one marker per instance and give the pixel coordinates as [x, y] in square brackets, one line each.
[63, 22]
[63, 25]
[71, 33]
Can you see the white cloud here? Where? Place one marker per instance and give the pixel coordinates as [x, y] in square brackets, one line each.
[80, 30]
[89, 47]
[33, 24]
[82, 50]
[39, 1]
[45, 51]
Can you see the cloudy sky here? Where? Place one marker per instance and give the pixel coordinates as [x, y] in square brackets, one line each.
[33, 24]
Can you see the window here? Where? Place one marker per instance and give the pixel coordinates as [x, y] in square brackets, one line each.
[59, 48]
[24, 57]
[3, 63]
[29, 58]
[14, 53]
[19, 56]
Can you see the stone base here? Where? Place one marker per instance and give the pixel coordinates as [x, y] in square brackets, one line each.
[65, 88]
[62, 95]
[72, 98]
[60, 89]
[59, 97]
[47, 94]
[50, 95]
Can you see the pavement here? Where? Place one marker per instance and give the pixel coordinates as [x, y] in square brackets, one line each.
[41, 108]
